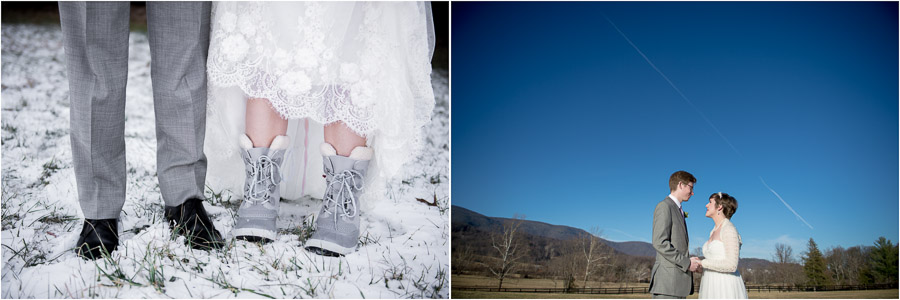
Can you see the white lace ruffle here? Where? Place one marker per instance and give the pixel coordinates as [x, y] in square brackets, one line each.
[364, 63]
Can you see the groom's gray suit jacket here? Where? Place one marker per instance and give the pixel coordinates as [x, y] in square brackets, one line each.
[670, 275]
[95, 36]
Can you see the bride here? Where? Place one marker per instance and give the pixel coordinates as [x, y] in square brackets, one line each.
[721, 280]
[325, 99]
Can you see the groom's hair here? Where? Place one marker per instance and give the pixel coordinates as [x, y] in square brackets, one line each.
[727, 202]
[680, 177]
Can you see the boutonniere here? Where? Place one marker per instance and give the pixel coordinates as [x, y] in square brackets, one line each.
[685, 215]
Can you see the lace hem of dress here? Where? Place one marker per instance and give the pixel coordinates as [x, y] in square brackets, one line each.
[324, 104]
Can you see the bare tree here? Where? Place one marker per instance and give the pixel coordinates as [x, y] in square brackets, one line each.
[837, 262]
[610, 268]
[638, 270]
[568, 264]
[783, 254]
[619, 270]
[462, 258]
[507, 244]
[857, 258]
[784, 258]
[593, 253]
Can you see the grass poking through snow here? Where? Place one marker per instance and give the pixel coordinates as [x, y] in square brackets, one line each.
[403, 248]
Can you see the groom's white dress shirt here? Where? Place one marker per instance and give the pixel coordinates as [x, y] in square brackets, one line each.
[677, 203]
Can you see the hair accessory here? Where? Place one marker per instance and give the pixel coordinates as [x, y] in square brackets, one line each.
[720, 195]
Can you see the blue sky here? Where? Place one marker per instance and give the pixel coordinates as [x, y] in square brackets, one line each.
[557, 117]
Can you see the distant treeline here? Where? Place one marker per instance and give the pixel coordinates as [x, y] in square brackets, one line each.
[501, 251]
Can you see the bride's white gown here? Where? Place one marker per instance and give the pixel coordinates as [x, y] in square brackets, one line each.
[721, 279]
[367, 64]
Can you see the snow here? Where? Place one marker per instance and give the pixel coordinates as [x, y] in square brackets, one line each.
[404, 251]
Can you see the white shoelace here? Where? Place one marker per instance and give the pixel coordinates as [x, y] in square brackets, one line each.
[346, 182]
[263, 171]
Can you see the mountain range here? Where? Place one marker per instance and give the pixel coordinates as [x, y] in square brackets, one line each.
[462, 218]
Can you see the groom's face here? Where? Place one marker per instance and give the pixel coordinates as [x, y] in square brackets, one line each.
[686, 190]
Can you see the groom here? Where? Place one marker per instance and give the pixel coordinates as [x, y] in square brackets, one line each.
[96, 41]
[672, 277]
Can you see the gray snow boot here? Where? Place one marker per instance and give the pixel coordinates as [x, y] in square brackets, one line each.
[259, 210]
[337, 227]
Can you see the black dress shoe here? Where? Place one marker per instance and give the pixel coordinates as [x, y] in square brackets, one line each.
[97, 237]
[323, 252]
[191, 220]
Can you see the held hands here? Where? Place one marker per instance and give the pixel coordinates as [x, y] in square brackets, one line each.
[695, 265]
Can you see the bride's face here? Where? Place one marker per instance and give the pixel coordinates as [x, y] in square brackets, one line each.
[711, 208]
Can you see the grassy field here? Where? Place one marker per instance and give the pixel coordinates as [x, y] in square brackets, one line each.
[456, 294]
[875, 294]
[481, 281]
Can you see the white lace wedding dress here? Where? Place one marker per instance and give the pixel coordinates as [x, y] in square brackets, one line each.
[721, 279]
[364, 63]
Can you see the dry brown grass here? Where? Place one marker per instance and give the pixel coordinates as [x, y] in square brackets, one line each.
[873, 294]
[481, 281]
[456, 294]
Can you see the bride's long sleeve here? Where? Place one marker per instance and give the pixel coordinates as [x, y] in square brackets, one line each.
[732, 240]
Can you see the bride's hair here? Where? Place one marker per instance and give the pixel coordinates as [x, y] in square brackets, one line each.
[727, 202]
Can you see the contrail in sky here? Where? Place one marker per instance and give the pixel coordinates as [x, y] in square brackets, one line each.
[699, 112]
[628, 235]
[785, 203]
[674, 87]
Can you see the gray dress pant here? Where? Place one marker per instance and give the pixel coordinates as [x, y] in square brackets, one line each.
[96, 41]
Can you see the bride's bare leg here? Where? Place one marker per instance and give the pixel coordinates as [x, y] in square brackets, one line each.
[342, 138]
[263, 122]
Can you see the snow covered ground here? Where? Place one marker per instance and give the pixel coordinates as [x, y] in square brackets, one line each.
[404, 248]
